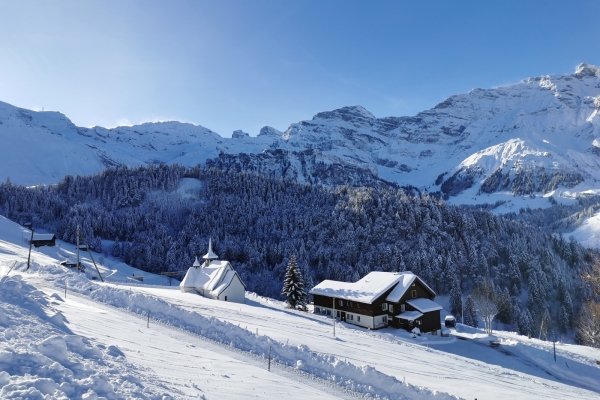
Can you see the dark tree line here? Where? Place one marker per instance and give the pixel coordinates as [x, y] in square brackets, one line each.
[339, 233]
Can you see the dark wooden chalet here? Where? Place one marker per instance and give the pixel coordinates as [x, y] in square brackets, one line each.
[43, 239]
[380, 299]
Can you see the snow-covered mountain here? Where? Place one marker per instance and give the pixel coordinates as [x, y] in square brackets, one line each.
[535, 136]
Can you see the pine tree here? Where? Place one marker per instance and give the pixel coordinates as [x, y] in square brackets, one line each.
[293, 286]
[563, 320]
[470, 313]
[456, 297]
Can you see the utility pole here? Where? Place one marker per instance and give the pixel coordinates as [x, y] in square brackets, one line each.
[269, 367]
[78, 248]
[91, 256]
[333, 315]
[30, 244]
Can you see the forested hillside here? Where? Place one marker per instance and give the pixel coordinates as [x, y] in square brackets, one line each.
[258, 222]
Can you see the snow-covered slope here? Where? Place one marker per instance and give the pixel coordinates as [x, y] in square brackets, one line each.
[534, 136]
[96, 341]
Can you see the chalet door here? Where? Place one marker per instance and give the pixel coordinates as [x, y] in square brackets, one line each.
[343, 316]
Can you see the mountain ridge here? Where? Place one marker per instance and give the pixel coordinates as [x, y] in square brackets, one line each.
[537, 131]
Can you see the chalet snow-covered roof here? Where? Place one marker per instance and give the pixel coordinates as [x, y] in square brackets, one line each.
[197, 263]
[366, 290]
[409, 315]
[424, 305]
[43, 236]
[407, 280]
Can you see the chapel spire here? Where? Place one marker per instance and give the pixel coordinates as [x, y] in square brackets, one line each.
[208, 257]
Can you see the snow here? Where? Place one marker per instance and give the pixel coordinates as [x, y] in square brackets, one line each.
[548, 121]
[195, 346]
[405, 282]
[424, 305]
[224, 283]
[217, 273]
[366, 290]
[40, 357]
[43, 236]
[588, 234]
[410, 315]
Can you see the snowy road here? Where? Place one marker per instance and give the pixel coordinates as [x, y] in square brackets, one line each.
[187, 364]
[446, 367]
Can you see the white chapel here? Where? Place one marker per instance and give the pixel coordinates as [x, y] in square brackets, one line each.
[215, 279]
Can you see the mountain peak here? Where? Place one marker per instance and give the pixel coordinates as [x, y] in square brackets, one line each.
[269, 131]
[584, 70]
[350, 113]
[240, 134]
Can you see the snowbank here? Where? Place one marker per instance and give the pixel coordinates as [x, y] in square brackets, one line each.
[364, 379]
[41, 359]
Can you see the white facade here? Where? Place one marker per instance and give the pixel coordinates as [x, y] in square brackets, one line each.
[365, 321]
[215, 279]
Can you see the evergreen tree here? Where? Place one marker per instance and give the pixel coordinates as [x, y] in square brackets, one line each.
[568, 304]
[470, 313]
[456, 297]
[293, 286]
[563, 320]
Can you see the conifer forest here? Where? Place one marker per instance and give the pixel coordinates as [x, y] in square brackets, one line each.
[342, 233]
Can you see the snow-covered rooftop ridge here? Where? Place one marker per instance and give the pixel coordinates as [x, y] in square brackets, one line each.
[424, 305]
[205, 278]
[226, 281]
[43, 236]
[407, 280]
[366, 290]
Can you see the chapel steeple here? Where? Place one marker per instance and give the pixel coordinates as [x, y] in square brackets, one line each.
[208, 257]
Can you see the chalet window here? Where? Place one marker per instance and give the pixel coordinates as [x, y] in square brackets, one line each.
[384, 307]
[328, 312]
[418, 322]
[338, 314]
[391, 308]
[410, 323]
[352, 317]
[402, 307]
[357, 305]
[348, 303]
[384, 319]
[358, 318]
[225, 298]
[341, 302]
[317, 310]
[414, 294]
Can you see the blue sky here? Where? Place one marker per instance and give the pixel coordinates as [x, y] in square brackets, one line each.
[230, 65]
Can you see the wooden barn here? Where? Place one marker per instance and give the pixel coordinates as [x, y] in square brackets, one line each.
[43, 239]
[381, 299]
[215, 279]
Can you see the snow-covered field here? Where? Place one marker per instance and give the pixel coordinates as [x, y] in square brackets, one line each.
[96, 342]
